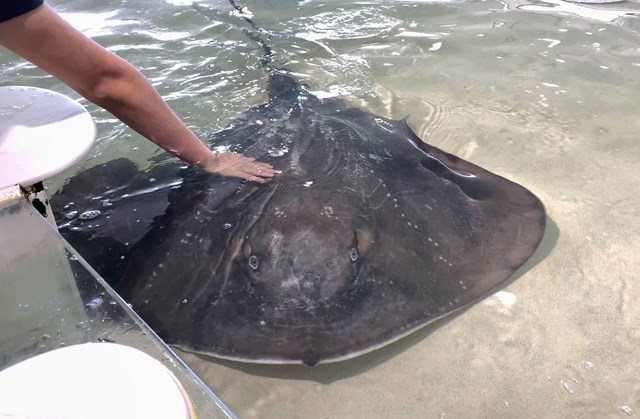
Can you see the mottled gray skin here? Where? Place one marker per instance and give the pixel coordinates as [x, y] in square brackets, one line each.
[366, 235]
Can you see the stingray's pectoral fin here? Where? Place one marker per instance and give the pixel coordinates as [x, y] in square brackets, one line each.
[469, 183]
[104, 211]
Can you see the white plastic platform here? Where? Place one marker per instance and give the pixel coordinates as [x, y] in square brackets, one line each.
[93, 380]
[42, 133]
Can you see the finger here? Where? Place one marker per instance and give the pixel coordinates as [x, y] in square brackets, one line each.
[265, 173]
[259, 169]
[248, 175]
[256, 179]
[260, 164]
[256, 173]
[265, 167]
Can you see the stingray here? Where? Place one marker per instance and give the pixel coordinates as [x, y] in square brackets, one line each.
[366, 235]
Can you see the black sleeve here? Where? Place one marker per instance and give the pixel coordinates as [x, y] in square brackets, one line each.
[14, 8]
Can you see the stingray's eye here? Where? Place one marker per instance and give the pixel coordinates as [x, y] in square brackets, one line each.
[353, 255]
[254, 262]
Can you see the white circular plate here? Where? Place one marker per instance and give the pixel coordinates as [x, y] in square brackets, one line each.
[92, 380]
[42, 133]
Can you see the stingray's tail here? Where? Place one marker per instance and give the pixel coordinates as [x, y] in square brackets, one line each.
[267, 58]
[280, 82]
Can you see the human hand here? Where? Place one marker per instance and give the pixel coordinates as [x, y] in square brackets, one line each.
[231, 164]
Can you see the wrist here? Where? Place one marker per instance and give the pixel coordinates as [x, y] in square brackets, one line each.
[194, 152]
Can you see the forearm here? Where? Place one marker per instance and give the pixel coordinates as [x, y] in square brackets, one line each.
[130, 97]
[45, 39]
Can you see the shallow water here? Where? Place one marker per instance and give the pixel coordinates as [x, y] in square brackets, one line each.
[531, 91]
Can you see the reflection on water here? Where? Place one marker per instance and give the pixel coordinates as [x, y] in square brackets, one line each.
[96, 25]
[598, 12]
[544, 93]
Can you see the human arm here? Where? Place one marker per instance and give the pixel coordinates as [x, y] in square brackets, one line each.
[48, 41]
